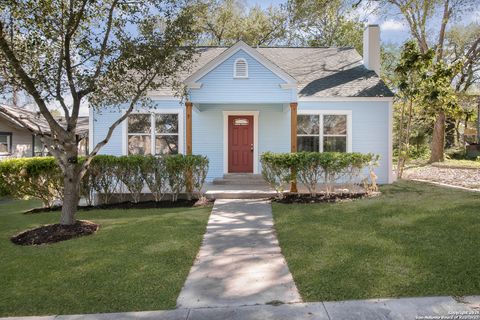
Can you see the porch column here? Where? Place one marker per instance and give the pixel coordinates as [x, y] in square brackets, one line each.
[293, 141]
[188, 131]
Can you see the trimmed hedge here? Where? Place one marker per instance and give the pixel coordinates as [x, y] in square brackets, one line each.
[41, 178]
[313, 168]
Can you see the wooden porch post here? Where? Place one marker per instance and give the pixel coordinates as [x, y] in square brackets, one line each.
[293, 141]
[188, 107]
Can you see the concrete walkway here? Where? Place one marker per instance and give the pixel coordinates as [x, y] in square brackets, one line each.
[446, 308]
[239, 262]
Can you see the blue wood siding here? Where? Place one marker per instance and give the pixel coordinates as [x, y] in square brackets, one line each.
[369, 128]
[261, 86]
[105, 117]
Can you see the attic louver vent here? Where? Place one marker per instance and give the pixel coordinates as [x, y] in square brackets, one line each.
[240, 69]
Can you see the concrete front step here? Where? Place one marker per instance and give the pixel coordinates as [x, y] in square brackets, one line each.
[240, 179]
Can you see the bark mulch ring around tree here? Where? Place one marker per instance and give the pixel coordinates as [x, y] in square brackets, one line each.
[323, 198]
[54, 233]
[180, 203]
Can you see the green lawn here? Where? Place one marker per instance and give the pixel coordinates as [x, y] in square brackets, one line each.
[414, 240]
[138, 260]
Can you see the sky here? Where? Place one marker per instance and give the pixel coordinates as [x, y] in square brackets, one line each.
[392, 26]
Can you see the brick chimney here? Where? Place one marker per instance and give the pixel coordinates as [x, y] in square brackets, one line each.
[371, 48]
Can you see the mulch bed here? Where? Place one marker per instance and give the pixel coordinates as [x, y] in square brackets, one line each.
[54, 233]
[180, 203]
[322, 198]
[468, 178]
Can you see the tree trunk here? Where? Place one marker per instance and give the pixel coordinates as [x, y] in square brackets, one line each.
[71, 192]
[438, 139]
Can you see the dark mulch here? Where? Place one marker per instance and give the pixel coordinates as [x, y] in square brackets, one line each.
[180, 203]
[54, 233]
[321, 197]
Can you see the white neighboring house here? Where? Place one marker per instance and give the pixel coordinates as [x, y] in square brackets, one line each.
[19, 140]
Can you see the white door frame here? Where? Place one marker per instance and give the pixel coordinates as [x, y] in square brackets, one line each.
[255, 137]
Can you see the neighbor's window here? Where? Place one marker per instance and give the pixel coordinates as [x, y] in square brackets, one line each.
[5, 143]
[322, 132]
[153, 132]
[39, 149]
[240, 68]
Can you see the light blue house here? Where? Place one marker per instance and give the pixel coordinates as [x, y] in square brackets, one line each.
[244, 101]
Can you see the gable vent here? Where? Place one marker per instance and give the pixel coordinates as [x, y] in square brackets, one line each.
[240, 68]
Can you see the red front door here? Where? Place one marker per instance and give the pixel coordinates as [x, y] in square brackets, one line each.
[240, 143]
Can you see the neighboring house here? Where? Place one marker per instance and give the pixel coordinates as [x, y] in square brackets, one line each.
[21, 139]
[243, 101]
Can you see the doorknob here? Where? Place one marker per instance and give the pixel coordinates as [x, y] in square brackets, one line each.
[251, 147]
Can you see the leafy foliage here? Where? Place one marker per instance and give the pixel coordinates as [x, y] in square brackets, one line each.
[39, 178]
[313, 168]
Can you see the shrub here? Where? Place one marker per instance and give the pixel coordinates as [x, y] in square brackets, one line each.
[312, 168]
[103, 176]
[128, 170]
[39, 178]
[154, 172]
[175, 165]
[196, 168]
[42, 178]
[276, 170]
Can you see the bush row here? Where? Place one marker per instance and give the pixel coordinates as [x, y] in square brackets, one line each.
[41, 178]
[313, 168]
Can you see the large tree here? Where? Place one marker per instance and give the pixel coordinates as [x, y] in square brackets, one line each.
[107, 53]
[422, 17]
[224, 22]
[332, 23]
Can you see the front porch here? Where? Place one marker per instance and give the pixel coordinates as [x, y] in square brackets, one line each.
[233, 136]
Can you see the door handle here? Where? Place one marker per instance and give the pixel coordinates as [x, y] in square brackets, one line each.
[251, 147]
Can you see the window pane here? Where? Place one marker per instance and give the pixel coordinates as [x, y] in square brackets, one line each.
[308, 124]
[241, 122]
[166, 145]
[335, 144]
[139, 145]
[139, 123]
[166, 123]
[308, 143]
[335, 124]
[4, 143]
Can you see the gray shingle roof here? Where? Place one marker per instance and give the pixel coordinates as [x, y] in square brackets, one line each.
[320, 72]
[34, 121]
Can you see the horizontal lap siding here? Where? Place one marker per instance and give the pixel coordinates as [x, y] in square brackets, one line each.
[21, 140]
[369, 125]
[208, 132]
[261, 86]
[105, 117]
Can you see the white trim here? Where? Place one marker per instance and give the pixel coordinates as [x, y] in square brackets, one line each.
[321, 113]
[255, 137]
[288, 85]
[90, 129]
[240, 45]
[157, 96]
[194, 85]
[323, 99]
[391, 176]
[235, 71]
[178, 111]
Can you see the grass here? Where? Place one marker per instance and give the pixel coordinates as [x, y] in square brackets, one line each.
[413, 240]
[138, 260]
[448, 163]
[458, 164]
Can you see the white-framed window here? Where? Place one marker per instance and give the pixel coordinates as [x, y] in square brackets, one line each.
[154, 133]
[5, 143]
[324, 131]
[240, 68]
